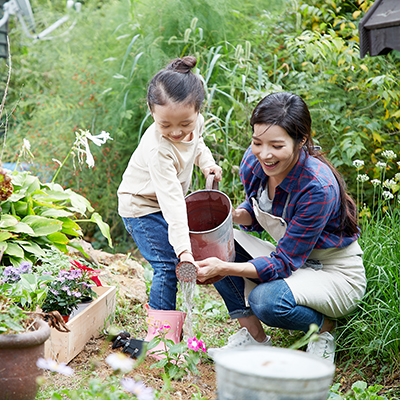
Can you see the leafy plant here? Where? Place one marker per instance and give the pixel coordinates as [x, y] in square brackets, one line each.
[177, 359]
[38, 216]
[12, 317]
[359, 391]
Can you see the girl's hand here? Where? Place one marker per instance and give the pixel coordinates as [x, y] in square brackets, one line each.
[216, 170]
[185, 256]
[241, 216]
[209, 268]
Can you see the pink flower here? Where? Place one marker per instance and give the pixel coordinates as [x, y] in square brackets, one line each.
[193, 344]
[202, 346]
[196, 344]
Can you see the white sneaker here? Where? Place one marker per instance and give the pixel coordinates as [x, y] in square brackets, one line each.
[239, 339]
[324, 347]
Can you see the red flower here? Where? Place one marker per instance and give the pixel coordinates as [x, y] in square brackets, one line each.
[82, 267]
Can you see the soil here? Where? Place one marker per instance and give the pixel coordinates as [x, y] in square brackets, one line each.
[93, 356]
[97, 349]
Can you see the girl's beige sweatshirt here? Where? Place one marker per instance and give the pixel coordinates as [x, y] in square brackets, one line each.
[158, 177]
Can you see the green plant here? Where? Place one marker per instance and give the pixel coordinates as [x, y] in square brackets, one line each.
[177, 359]
[37, 216]
[12, 317]
[359, 391]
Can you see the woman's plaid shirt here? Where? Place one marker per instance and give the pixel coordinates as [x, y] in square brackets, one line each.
[312, 215]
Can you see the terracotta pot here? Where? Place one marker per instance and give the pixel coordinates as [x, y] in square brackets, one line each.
[18, 356]
[65, 318]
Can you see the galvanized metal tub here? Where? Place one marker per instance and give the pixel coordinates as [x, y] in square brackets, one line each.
[272, 373]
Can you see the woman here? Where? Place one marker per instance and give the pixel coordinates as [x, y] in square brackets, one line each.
[315, 274]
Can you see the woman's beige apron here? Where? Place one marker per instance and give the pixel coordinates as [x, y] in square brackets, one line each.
[331, 281]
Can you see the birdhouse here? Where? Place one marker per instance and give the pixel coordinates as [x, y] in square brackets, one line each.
[379, 29]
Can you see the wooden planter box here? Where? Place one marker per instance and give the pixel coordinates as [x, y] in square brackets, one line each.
[63, 347]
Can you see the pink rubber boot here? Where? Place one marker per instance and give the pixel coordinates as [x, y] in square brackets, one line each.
[171, 320]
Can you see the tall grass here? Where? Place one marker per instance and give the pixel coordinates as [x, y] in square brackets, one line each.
[373, 332]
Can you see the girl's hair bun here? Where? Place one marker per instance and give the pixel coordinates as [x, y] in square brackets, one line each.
[182, 65]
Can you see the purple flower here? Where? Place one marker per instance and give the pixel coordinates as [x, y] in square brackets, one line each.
[137, 388]
[54, 291]
[25, 267]
[8, 271]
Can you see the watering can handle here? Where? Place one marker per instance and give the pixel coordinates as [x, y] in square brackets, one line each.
[211, 183]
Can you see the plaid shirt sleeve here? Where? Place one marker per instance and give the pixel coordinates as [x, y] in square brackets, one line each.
[312, 211]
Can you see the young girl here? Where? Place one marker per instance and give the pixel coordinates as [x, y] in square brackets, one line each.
[315, 273]
[152, 192]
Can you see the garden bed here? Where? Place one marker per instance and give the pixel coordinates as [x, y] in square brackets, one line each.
[63, 347]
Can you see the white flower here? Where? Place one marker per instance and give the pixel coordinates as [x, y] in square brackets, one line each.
[381, 165]
[99, 139]
[358, 164]
[137, 388]
[387, 195]
[397, 177]
[389, 154]
[363, 178]
[26, 149]
[398, 163]
[118, 361]
[389, 183]
[51, 365]
[81, 144]
[376, 182]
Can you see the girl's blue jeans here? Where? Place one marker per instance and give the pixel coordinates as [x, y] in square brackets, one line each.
[272, 302]
[150, 234]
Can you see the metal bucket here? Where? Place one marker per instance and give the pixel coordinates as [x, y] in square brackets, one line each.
[210, 223]
[272, 373]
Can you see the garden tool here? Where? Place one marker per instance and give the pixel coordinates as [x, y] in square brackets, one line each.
[210, 223]
[186, 271]
[170, 321]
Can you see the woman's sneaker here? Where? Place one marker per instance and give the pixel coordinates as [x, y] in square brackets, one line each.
[323, 347]
[241, 338]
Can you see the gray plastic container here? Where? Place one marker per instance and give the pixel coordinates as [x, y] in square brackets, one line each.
[272, 373]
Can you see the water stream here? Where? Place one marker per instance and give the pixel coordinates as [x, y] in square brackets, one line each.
[187, 289]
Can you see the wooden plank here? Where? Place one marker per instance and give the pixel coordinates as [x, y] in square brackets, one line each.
[63, 347]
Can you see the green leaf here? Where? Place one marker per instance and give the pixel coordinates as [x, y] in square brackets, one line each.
[104, 228]
[21, 227]
[5, 235]
[61, 247]
[58, 238]
[7, 221]
[14, 249]
[42, 226]
[79, 203]
[32, 247]
[54, 212]
[70, 227]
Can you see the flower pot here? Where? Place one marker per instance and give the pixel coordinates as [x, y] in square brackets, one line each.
[65, 318]
[86, 302]
[18, 355]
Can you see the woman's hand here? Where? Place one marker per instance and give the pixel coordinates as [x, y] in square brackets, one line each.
[216, 170]
[210, 268]
[241, 216]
